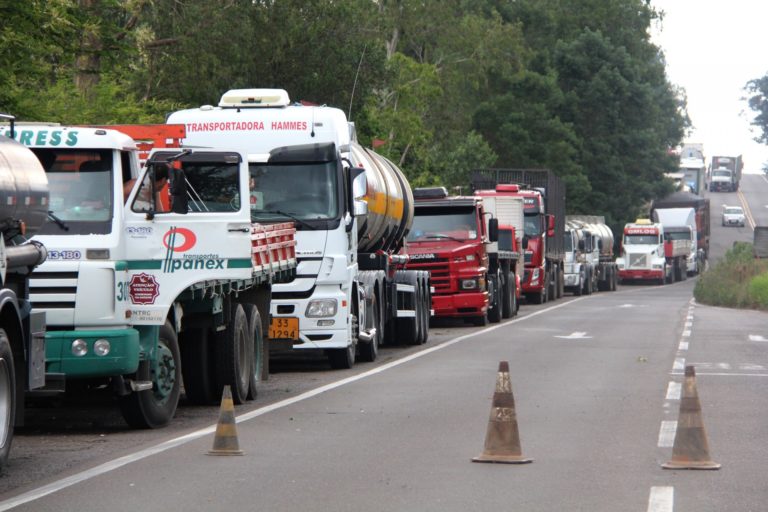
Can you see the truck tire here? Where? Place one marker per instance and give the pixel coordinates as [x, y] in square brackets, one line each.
[560, 283]
[494, 305]
[480, 321]
[260, 356]
[7, 398]
[588, 283]
[196, 361]
[426, 306]
[407, 327]
[234, 354]
[507, 295]
[341, 358]
[155, 407]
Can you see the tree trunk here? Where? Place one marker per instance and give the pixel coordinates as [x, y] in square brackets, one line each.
[88, 61]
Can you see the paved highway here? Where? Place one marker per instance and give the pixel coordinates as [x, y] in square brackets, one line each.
[596, 383]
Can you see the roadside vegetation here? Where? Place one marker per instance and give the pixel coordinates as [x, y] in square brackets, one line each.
[739, 280]
[440, 87]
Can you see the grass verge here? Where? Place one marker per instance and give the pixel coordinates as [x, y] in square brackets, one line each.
[739, 280]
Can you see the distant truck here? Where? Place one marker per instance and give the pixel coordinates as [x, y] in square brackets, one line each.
[506, 255]
[680, 224]
[23, 211]
[701, 207]
[693, 167]
[579, 270]
[598, 245]
[647, 255]
[450, 239]
[725, 173]
[543, 195]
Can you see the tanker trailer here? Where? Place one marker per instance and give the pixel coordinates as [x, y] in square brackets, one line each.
[23, 210]
[604, 260]
[352, 210]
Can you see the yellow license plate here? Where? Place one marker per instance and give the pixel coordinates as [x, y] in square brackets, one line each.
[284, 328]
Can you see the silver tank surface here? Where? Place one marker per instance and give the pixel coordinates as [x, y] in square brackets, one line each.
[23, 187]
[390, 202]
[596, 224]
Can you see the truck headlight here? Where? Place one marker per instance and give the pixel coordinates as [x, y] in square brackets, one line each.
[321, 308]
[79, 347]
[657, 266]
[468, 284]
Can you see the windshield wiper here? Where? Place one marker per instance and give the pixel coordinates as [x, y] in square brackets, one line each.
[286, 214]
[63, 225]
[441, 237]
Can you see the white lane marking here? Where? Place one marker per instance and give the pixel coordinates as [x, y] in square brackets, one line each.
[667, 434]
[715, 374]
[575, 336]
[683, 345]
[687, 333]
[689, 324]
[679, 363]
[674, 390]
[757, 337]
[689, 317]
[112, 465]
[661, 499]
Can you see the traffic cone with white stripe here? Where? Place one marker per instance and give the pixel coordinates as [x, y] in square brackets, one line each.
[225, 441]
[502, 439]
[691, 449]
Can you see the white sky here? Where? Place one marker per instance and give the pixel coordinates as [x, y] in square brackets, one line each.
[713, 48]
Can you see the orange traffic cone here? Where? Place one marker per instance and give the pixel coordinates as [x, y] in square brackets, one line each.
[691, 450]
[502, 440]
[225, 440]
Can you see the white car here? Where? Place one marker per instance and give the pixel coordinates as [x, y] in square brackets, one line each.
[733, 216]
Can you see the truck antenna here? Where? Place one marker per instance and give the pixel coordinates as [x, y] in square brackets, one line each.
[354, 84]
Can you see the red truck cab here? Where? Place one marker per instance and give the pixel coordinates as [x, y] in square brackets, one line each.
[448, 238]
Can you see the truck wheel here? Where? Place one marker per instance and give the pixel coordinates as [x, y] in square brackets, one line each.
[155, 407]
[199, 385]
[258, 358]
[560, 283]
[494, 306]
[7, 397]
[407, 328]
[507, 296]
[234, 354]
[588, 283]
[426, 307]
[342, 358]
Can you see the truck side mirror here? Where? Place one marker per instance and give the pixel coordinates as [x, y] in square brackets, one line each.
[581, 245]
[550, 225]
[359, 182]
[178, 186]
[493, 230]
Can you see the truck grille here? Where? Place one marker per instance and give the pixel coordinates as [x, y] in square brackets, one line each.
[439, 273]
[638, 261]
[52, 290]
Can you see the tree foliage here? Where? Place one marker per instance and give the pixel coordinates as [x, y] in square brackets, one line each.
[442, 86]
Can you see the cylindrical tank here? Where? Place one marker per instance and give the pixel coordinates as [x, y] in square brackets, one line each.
[23, 188]
[596, 225]
[390, 202]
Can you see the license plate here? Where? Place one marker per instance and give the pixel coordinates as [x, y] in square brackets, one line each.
[282, 328]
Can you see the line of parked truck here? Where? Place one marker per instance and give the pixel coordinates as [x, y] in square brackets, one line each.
[188, 253]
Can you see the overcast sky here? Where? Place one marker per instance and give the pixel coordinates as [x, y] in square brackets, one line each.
[712, 50]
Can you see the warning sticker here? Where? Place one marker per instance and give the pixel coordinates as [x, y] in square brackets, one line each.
[143, 289]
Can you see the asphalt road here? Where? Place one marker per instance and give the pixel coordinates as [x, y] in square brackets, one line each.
[596, 385]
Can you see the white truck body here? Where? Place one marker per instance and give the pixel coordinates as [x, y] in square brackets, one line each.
[680, 223]
[129, 288]
[329, 304]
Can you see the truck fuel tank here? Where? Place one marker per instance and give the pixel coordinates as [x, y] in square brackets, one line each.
[23, 188]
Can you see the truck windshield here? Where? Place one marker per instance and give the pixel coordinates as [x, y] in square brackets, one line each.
[439, 223]
[305, 191]
[532, 224]
[677, 235]
[725, 173]
[80, 184]
[641, 240]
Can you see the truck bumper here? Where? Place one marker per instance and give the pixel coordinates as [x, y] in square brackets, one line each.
[572, 280]
[460, 304]
[640, 275]
[123, 357]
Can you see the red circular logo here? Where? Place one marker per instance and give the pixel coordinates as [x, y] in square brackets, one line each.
[179, 239]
